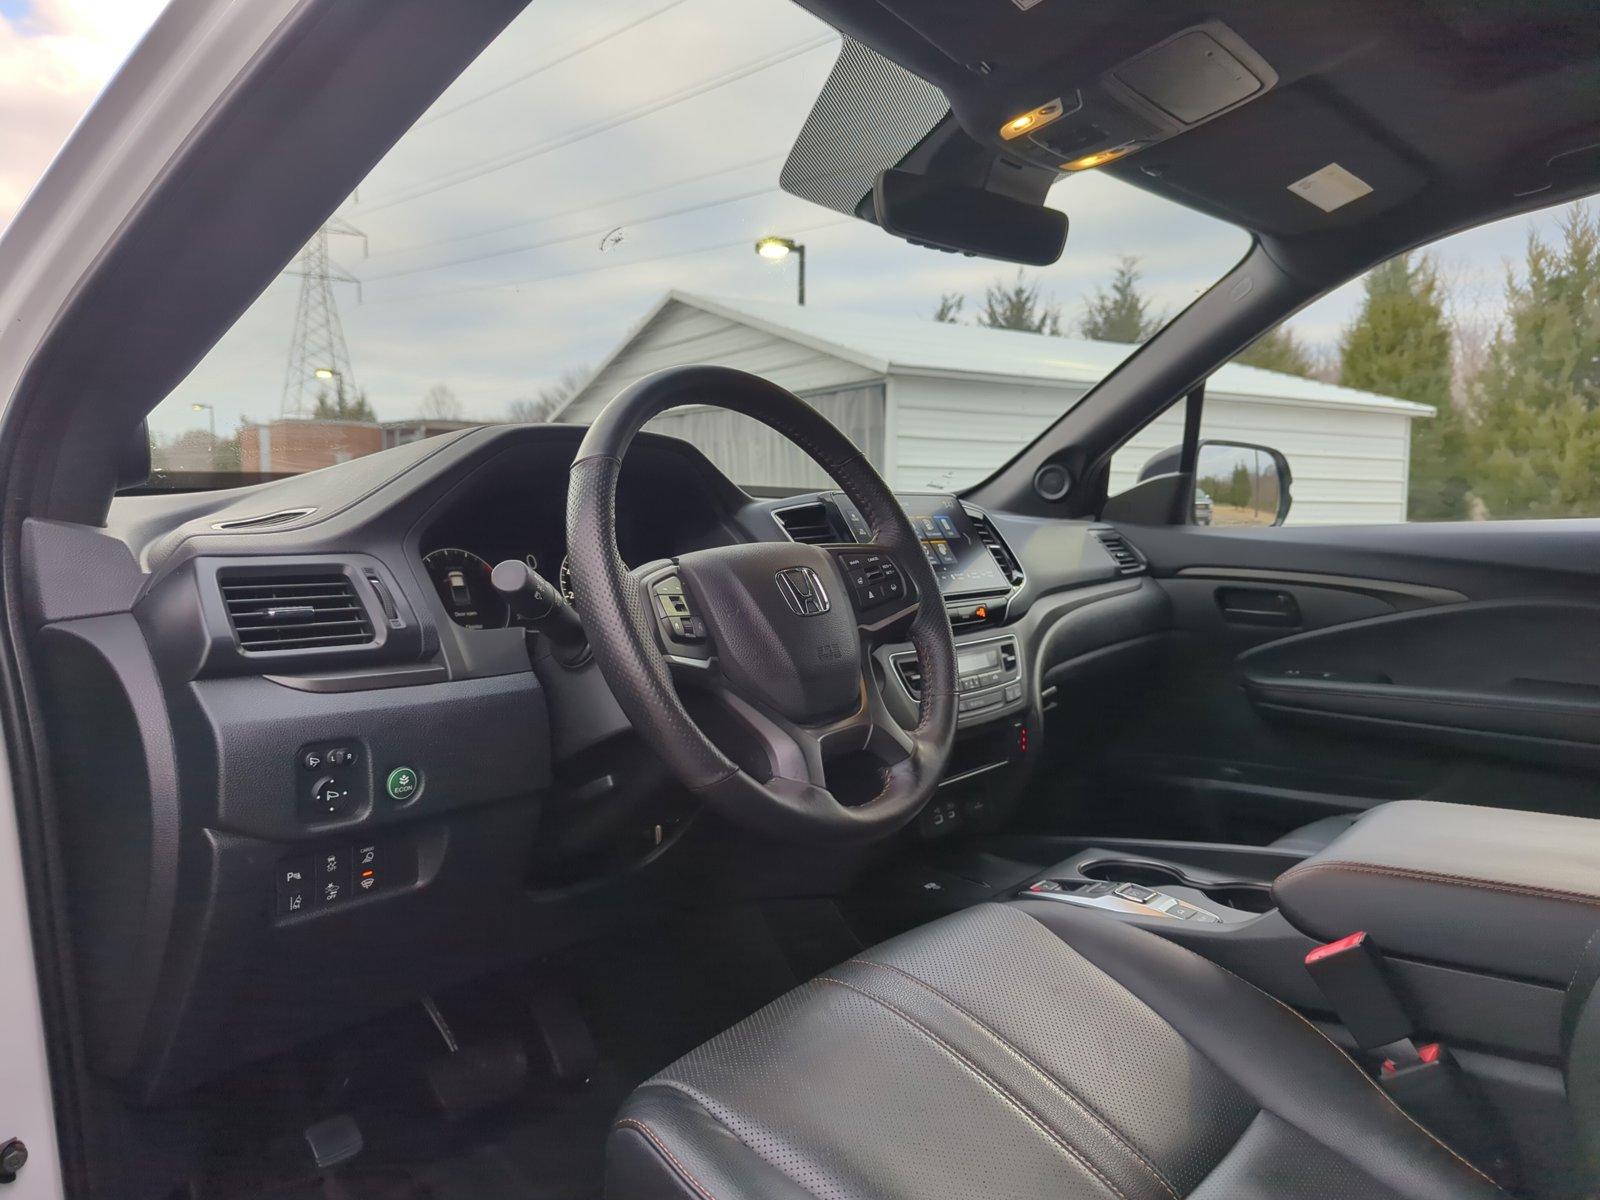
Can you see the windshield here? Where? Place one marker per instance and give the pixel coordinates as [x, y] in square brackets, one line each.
[585, 205]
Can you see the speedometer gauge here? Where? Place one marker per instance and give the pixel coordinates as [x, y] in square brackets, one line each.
[462, 581]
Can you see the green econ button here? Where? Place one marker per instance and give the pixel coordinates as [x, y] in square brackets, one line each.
[402, 783]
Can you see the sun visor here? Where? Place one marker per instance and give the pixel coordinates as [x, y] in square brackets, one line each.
[870, 115]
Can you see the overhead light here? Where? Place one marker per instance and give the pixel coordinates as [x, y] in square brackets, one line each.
[775, 248]
[1099, 158]
[1025, 122]
[324, 372]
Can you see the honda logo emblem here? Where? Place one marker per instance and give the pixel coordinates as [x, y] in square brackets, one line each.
[803, 590]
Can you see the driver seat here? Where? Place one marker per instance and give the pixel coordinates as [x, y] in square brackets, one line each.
[1019, 1051]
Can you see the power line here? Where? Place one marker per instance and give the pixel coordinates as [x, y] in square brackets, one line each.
[597, 231]
[549, 63]
[582, 208]
[637, 262]
[466, 175]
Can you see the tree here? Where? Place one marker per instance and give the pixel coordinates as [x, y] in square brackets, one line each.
[1017, 305]
[340, 407]
[1120, 313]
[439, 403]
[1279, 350]
[1399, 344]
[1533, 427]
[533, 410]
[950, 306]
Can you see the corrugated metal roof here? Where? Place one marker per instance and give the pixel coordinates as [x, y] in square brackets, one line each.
[909, 345]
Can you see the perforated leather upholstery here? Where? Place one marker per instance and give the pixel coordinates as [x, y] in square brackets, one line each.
[1019, 1051]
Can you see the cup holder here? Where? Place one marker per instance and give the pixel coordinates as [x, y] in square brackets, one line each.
[1242, 897]
[1119, 870]
[1246, 897]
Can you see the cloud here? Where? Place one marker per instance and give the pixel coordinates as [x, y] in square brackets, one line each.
[55, 55]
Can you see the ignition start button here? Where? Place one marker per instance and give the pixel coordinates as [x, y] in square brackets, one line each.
[402, 783]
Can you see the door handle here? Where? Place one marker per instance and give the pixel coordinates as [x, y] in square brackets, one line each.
[1258, 606]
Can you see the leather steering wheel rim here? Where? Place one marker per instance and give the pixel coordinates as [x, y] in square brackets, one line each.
[615, 608]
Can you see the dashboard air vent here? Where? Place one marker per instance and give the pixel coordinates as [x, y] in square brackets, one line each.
[807, 523]
[998, 550]
[307, 610]
[1129, 561]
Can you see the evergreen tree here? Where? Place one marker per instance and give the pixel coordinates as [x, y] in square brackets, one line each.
[1278, 350]
[340, 407]
[1399, 345]
[1120, 313]
[1017, 305]
[950, 306]
[1535, 428]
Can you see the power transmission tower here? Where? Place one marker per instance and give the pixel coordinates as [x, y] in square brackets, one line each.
[318, 355]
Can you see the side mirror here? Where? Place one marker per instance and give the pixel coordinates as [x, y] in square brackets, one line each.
[969, 220]
[1238, 484]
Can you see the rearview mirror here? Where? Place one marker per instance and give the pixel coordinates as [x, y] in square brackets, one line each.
[970, 220]
[1238, 484]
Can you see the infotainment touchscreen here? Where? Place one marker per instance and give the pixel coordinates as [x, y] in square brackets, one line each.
[960, 561]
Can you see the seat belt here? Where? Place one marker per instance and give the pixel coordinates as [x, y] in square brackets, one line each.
[1424, 1079]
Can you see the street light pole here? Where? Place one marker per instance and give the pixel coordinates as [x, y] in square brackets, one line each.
[776, 249]
[211, 420]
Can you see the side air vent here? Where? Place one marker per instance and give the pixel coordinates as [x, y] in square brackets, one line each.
[1001, 553]
[307, 610]
[1129, 561]
[910, 675]
[807, 523]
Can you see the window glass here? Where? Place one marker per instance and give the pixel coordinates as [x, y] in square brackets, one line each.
[1458, 383]
[584, 206]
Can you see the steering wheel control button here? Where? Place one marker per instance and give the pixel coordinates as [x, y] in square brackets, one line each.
[402, 784]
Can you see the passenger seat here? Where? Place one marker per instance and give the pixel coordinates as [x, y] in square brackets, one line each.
[1309, 839]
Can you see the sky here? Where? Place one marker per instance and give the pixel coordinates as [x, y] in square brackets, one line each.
[595, 156]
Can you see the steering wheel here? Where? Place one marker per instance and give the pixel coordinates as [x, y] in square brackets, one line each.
[781, 633]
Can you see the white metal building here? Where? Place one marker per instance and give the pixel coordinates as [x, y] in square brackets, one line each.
[943, 405]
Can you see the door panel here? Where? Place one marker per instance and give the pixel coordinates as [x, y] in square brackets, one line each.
[1322, 670]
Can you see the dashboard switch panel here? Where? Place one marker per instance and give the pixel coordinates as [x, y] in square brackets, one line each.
[330, 877]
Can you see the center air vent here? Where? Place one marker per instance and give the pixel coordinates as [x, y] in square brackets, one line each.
[307, 610]
[807, 523]
[998, 550]
[1129, 561]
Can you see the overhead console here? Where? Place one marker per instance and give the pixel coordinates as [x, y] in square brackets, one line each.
[1182, 82]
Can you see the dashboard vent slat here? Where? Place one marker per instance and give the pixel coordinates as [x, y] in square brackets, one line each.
[807, 523]
[998, 550]
[309, 610]
[1128, 560]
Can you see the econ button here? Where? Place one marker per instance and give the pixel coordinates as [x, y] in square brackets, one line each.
[402, 783]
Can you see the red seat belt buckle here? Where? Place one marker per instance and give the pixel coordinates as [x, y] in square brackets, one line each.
[1350, 975]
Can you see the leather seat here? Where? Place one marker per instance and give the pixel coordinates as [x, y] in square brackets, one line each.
[1317, 836]
[1018, 1051]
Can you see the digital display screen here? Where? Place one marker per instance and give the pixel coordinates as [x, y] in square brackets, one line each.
[961, 562]
[985, 658]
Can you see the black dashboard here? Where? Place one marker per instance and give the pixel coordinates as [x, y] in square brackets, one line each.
[388, 785]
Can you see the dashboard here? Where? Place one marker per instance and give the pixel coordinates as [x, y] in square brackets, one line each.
[460, 799]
